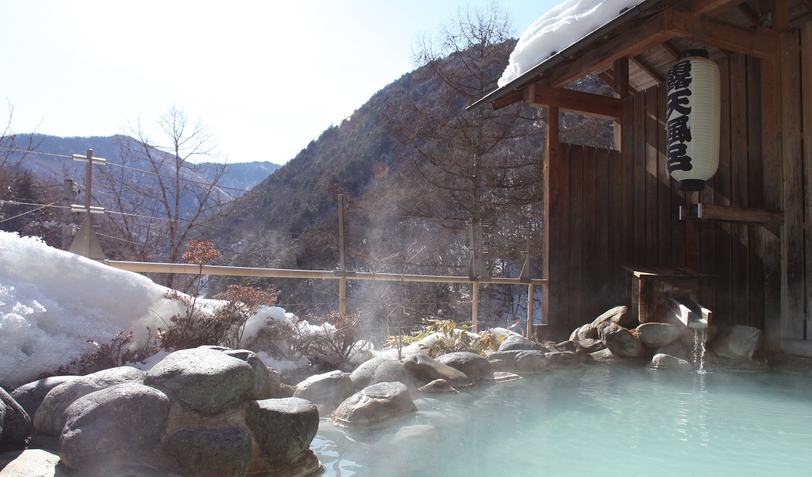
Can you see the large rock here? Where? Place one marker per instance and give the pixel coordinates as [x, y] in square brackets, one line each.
[425, 369]
[618, 315]
[737, 342]
[326, 390]
[655, 335]
[622, 342]
[587, 331]
[50, 417]
[472, 365]
[204, 380]
[522, 362]
[31, 462]
[438, 386]
[677, 349]
[605, 356]
[30, 395]
[517, 342]
[117, 425]
[16, 424]
[375, 403]
[282, 428]
[267, 383]
[380, 370]
[210, 452]
[664, 361]
[562, 359]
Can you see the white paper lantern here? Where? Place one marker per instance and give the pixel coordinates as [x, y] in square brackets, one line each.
[693, 119]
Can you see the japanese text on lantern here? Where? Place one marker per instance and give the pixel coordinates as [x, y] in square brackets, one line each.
[678, 104]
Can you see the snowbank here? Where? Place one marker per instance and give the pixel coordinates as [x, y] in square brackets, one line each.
[557, 29]
[53, 302]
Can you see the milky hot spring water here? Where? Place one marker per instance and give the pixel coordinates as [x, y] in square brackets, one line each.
[598, 420]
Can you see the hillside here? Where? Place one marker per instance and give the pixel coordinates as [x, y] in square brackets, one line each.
[239, 176]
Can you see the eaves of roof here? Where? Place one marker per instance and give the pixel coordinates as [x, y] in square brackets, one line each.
[568, 53]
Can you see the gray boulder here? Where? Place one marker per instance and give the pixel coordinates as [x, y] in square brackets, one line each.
[472, 365]
[517, 342]
[326, 390]
[135, 470]
[562, 359]
[31, 462]
[117, 425]
[587, 331]
[16, 424]
[375, 403]
[622, 342]
[282, 428]
[267, 383]
[50, 417]
[737, 342]
[30, 395]
[655, 335]
[425, 369]
[210, 452]
[618, 315]
[605, 356]
[677, 349]
[522, 362]
[380, 370]
[204, 380]
[438, 386]
[664, 361]
[590, 345]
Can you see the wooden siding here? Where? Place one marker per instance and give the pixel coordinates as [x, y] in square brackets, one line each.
[610, 208]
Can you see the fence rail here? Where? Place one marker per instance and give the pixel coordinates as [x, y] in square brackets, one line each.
[191, 269]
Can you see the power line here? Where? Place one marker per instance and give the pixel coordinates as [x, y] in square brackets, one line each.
[24, 213]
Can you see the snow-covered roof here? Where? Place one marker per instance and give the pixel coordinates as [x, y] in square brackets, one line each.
[559, 28]
[561, 33]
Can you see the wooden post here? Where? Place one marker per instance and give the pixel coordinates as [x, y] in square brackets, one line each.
[551, 150]
[475, 306]
[621, 87]
[67, 199]
[531, 293]
[342, 282]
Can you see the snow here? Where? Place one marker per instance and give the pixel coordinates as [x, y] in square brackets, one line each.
[559, 28]
[55, 304]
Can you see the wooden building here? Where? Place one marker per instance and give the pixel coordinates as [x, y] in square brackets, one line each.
[610, 209]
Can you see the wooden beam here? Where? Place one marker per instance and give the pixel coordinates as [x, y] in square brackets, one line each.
[609, 78]
[620, 72]
[638, 38]
[669, 47]
[712, 7]
[510, 98]
[723, 35]
[643, 64]
[725, 213]
[575, 101]
[751, 15]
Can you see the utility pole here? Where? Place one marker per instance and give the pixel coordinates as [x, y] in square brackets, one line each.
[67, 223]
[86, 243]
[342, 267]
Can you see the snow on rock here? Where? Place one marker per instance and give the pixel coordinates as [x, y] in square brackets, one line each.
[52, 302]
[557, 29]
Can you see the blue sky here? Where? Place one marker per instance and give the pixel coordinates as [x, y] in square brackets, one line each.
[266, 77]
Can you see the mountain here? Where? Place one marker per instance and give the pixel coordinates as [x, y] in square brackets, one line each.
[49, 161]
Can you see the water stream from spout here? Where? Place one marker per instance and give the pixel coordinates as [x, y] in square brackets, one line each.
[700, 336]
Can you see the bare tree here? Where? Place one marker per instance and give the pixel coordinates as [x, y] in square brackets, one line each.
[163, 199]
[14, 150]
[474, 158]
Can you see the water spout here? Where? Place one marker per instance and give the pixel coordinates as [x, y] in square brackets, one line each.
[690, 313]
